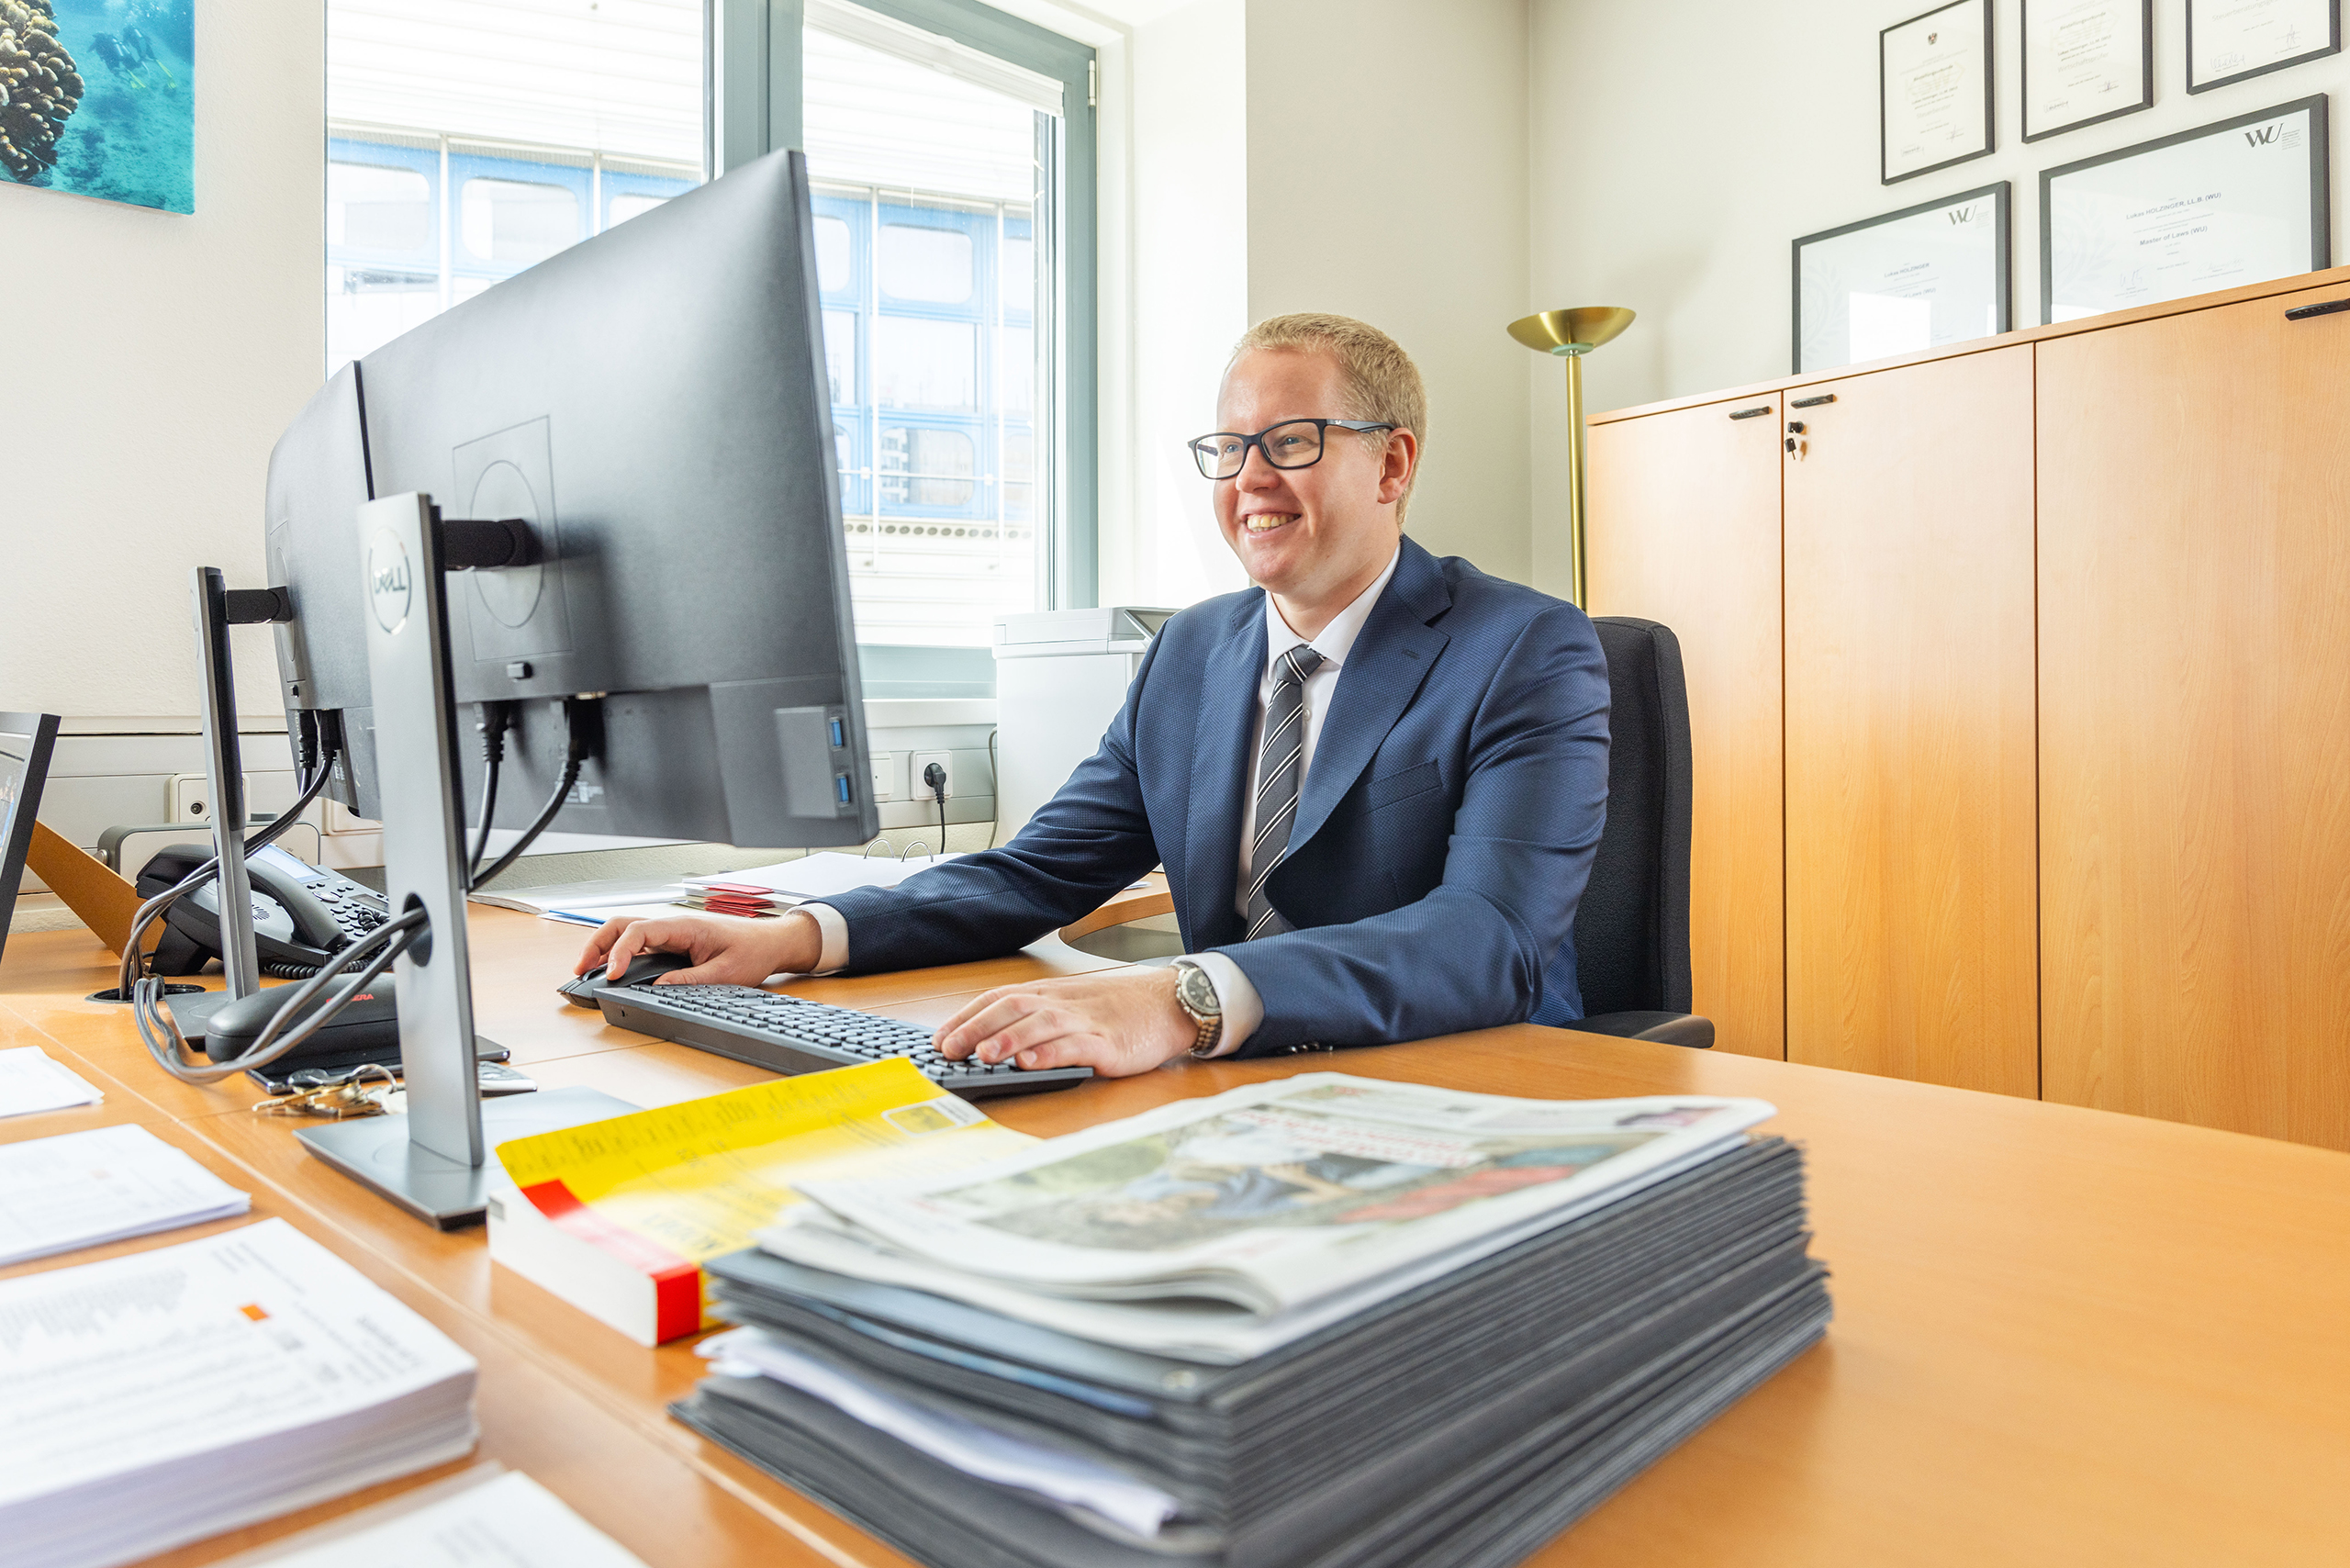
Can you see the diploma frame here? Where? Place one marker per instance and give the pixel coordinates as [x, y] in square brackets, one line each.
[2003, 294]
[2321, 214]
[2146, 72]
[1883, 86]
[2332, 46]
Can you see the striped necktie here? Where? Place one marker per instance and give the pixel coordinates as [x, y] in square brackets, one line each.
[1281, 766]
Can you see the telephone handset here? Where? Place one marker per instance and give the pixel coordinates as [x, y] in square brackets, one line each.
[301, 913]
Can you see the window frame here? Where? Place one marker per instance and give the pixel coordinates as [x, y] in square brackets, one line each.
[752, 83]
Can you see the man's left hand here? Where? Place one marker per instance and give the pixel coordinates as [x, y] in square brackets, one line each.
[1118, 1022]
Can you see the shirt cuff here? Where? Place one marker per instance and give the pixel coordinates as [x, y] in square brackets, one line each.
[834, 930]
[1234, 993]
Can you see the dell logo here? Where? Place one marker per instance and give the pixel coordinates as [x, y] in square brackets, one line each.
[388, 580]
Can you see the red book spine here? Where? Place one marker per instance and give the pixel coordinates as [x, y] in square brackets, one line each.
[676, 1283]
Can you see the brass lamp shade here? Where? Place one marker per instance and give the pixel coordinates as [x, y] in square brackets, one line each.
[1579, 330]
[1571, 334]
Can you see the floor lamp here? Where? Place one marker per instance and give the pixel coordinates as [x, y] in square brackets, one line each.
[1571, 334]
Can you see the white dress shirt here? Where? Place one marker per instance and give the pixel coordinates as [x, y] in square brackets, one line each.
[1244, 1010]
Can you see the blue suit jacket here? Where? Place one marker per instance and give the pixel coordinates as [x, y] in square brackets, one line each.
[1444, 831]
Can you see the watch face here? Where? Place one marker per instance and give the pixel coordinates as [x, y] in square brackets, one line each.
[1196, 990]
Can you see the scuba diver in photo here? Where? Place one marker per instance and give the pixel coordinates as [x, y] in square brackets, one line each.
[135, 43]
[119, 62]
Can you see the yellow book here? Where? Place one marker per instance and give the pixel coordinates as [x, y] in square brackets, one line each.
[618, 1216]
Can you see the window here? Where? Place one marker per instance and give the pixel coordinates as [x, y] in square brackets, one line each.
[951, 152]
[466, 143]
[933, 163]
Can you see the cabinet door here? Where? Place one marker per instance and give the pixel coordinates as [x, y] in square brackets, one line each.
[2195, 693]
[1684, 530]
[1911, 902]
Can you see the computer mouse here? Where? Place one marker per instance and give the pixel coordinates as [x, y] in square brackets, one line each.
[580, 990]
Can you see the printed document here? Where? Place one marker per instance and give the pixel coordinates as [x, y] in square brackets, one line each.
[210, 1384]
[481, 1519]
[821, 875]
[80, 1189]
[31, 1081]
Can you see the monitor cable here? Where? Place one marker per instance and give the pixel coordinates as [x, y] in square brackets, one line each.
[376, 950]
[491, 721]
[579, 736]
[132, 971]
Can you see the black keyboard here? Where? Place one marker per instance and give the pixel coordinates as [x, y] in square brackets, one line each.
[784, 1034]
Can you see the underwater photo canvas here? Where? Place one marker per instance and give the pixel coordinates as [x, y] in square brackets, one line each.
[98, 97]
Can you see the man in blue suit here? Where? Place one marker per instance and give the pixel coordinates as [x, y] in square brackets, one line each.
[1376, 778]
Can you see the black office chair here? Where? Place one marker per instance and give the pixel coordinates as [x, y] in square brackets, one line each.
[1632, 927]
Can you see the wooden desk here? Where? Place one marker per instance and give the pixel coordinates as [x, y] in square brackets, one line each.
[2063, 1335]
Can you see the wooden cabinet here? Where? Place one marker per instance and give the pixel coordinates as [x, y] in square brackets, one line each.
[1688, 534]
[2036, 661]
[2195, 700]
[1910, 906]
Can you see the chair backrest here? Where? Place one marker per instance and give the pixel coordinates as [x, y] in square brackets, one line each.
[1632, 928]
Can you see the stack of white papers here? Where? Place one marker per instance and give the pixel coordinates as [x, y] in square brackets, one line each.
[169, 1395]
[474, 1520]
[79, 1189]
[589, 903]
[823, 875]
[30, 1081]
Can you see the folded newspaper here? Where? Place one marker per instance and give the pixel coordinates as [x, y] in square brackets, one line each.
[1216, 1228]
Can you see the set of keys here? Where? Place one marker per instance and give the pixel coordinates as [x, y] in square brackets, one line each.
[368, 1090]
[372, 1090]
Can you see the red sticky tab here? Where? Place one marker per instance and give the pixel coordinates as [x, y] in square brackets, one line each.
[677, 1282]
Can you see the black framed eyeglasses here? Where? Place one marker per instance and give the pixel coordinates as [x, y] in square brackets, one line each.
[1293, 444]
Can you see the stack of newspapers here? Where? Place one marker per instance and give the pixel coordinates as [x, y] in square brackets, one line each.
[1320, 1322]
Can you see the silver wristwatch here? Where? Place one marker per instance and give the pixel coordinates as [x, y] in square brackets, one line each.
[1195, 994]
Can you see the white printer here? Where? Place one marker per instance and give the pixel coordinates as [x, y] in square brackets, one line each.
[1060, 677]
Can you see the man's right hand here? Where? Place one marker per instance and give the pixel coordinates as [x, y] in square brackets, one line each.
[725, 949]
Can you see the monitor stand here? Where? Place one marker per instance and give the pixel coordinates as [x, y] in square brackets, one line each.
[224, 769]
[217, 608]
[429, 1161]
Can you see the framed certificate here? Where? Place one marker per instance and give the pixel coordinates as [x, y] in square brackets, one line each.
[1933, 81]
[2086, 61]
[2228, 40]
[1915, 279]
[2242, 201]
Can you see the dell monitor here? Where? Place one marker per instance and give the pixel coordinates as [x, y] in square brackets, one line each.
[641, 426]
[318, 482]
[652, 404]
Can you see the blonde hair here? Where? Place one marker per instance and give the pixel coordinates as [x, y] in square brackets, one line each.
[1381, 383]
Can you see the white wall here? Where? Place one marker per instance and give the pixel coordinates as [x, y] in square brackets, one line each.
[1387, 177]
[1417, 118]
[152, 361]
[1680, 146]
[1186, 282]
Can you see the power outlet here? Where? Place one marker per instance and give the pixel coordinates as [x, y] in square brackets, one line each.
[918, 766]
[885, 776]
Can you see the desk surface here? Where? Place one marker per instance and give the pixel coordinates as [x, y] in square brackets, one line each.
[2062, 1335]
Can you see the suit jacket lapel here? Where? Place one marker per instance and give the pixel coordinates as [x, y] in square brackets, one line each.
[1227, 718]
[1389, 659]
